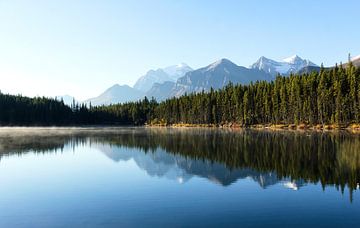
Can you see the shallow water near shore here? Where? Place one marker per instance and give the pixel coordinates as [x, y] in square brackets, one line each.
[61, 177]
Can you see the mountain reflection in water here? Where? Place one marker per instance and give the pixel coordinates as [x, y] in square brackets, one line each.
[221, 156]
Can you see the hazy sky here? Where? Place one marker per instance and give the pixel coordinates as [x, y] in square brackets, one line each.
[83, 47]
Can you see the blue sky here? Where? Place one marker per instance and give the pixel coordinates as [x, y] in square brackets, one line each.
[83, 47]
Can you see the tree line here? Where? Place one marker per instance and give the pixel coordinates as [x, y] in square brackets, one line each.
[327, 97]
[18, 110]
[331, 96]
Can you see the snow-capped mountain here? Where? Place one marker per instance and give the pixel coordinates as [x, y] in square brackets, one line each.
[177, 71]
[176, 80]
[292, 64]
[170, 73]
[216, 76]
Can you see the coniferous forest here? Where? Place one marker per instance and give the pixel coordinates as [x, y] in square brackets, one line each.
[331, 96]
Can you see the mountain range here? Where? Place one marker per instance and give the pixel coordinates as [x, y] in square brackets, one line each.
[287, 66]
[171, 73]
[176, 80]
[216, 76]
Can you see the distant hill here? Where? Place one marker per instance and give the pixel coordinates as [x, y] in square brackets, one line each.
[116, 94]
[355, 61]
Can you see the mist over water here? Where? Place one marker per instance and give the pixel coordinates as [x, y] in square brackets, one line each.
[163, 176]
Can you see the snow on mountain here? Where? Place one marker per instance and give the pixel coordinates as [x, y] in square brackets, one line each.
[270, 66]
[292, 59]
[170, 73]
[216, 76]
[177, 71]
[288, 65]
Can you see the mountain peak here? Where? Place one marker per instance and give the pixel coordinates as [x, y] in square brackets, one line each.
[159, 70]
[216, 76]
[116, 94]
[177, 71]
[288, 65]
[219, 62]
[180, 65]
[224, 60]
[292, 59]
[263, 58]
[116, 86]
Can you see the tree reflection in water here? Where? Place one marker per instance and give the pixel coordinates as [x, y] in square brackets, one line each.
[223, 156]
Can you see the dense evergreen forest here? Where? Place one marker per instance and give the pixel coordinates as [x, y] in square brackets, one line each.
[41, 111]
[328, 97]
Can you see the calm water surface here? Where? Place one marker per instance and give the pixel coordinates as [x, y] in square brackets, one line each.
[177, 177]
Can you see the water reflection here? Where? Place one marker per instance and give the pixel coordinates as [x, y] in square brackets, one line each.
[221, 156]
[176, 167]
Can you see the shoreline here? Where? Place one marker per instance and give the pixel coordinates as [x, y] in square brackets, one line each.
[352, 128]
[288, 127]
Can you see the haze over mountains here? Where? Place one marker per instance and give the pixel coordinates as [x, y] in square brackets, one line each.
[177, 80]
[171, 73]
[116, 94]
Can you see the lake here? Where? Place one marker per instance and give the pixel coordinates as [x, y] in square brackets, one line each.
[162, 177]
